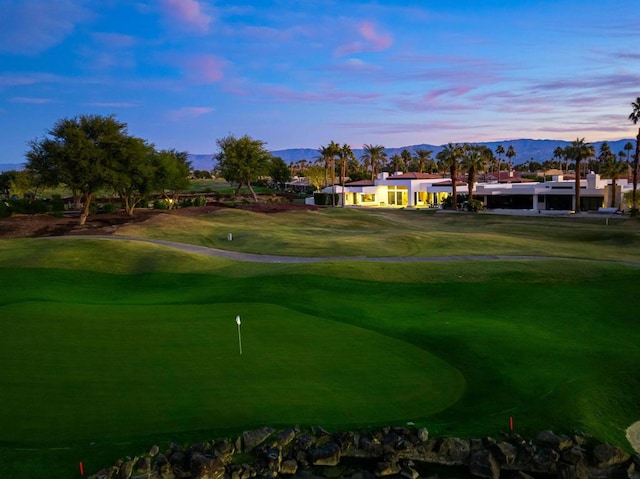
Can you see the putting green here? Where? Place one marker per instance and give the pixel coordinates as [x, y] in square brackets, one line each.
[80, 371]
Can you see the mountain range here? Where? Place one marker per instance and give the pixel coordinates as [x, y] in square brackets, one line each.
[526, 150]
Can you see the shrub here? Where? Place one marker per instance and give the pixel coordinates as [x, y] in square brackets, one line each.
[200, 201]
[5, 209]
[57, 204]
[161, 205]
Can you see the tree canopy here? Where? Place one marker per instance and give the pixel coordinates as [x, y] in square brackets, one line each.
[242, 160]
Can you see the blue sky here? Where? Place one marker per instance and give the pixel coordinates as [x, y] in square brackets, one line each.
[182, 73]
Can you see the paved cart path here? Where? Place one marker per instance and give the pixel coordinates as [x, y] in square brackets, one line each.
[268, 258]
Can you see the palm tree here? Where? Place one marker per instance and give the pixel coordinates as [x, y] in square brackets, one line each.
[328, 154]
[374, 156]
[396, 162]
[628, 146]
[449, 158]
[499, 152]
[579, 151]
[511, 153]
[558, 154]
[474, 160]
[613, 168]
[634, 117]
[344, 154]
[422, 159]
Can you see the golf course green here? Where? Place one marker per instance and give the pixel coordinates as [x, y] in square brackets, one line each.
[110, 346]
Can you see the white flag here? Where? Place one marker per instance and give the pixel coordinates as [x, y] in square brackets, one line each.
[238, 320]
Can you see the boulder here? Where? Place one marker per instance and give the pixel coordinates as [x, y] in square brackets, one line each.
[505, 452]
[549, 439]
[254, 438]
[573, 455]
[423, 434]
[285, 437]
[127, 468]
[289, 467]
[143, 465]
[327, 455]
[154, 450]
[387, 468]
[453, 451]
[545, 460]
[573, 471]
[483, 464]
[606, 455]
[204, 467]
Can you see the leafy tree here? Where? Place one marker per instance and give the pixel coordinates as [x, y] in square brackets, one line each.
[279, 171]
[77, 153]
[132, 172]
[449, 158]
[374, 156]
[315, 175]
[634, 117]
[579, 151]
[202, 174]
[242, 160]
[396, 162]
[6, 177]
[171, 174]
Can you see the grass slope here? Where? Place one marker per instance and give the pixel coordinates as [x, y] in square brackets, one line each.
[108, 347]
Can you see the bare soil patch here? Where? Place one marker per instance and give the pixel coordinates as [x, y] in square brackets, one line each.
[34, 226]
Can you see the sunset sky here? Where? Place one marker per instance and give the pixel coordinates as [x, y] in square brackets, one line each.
[300, 73]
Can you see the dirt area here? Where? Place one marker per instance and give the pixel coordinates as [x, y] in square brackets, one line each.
[32, 226]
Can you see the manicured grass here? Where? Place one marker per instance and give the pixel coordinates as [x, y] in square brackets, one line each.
[375, 233]
[108, 347]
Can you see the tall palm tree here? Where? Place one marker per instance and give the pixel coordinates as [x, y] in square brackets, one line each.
[634, 117]
[628, 146]
[449, 158]
[579, 151]
[422, 159]
[374, 156]
[511, 154]
[499, 152]
[474, 160]
[328, 154]
[344, 154]
[396, 162]
[559, 155]
[613, 168]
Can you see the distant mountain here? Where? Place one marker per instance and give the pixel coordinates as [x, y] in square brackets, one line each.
[10, 166]
[526, 150]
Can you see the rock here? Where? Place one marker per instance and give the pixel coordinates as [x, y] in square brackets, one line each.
[224, 450]
[573, 471]
[143, 465]
[545, 460]
[289, 467]
[254, 438]
[504, 452]
[127, 468]
[606, 455]
[572, 455]
[273, 458]
[203, 467]
[304, 442]
[483, 464]
[453, 451]
[286, 436]
[328, 455]
[387, 468]
[423, 434]
[409, 473]
[154, 450]
[549, 439]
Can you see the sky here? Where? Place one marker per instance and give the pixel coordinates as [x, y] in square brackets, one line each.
[301, 73]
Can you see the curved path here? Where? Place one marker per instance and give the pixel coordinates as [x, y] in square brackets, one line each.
[268, 258]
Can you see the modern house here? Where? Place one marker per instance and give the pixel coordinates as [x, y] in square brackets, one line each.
[421, 190]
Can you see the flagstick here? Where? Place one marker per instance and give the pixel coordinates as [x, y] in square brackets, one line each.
[239, 335]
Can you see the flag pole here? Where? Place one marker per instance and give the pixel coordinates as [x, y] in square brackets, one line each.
[238, 322]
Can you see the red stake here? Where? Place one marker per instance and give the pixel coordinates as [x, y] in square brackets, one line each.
[511, 423]
[81, 469]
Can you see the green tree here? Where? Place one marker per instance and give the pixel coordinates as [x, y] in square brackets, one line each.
[634, 117]
[132, 172]
[559, 154]
[345, 154]
[396, 162]
[242, 160]
[449, 159]
[77, 153]
[374, 156]
[315, 176]
[511, 154]
[328, 154]
[578, 152]
[279, 171]
[6, 177]
[172, 169]
[628, 146]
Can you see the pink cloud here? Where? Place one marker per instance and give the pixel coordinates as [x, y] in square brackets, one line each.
[204, 68]
[188, 12]
[325, 96]
[371, 40]
[188, 112]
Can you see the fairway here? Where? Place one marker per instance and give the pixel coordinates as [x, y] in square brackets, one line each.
[110, 346]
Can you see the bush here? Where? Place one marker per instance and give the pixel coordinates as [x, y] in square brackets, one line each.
[324, 199]
[200, 201]
[160, 205]
[475, 206]
[108, 208]
[29, 207]
[57, 204]
[5, 209]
